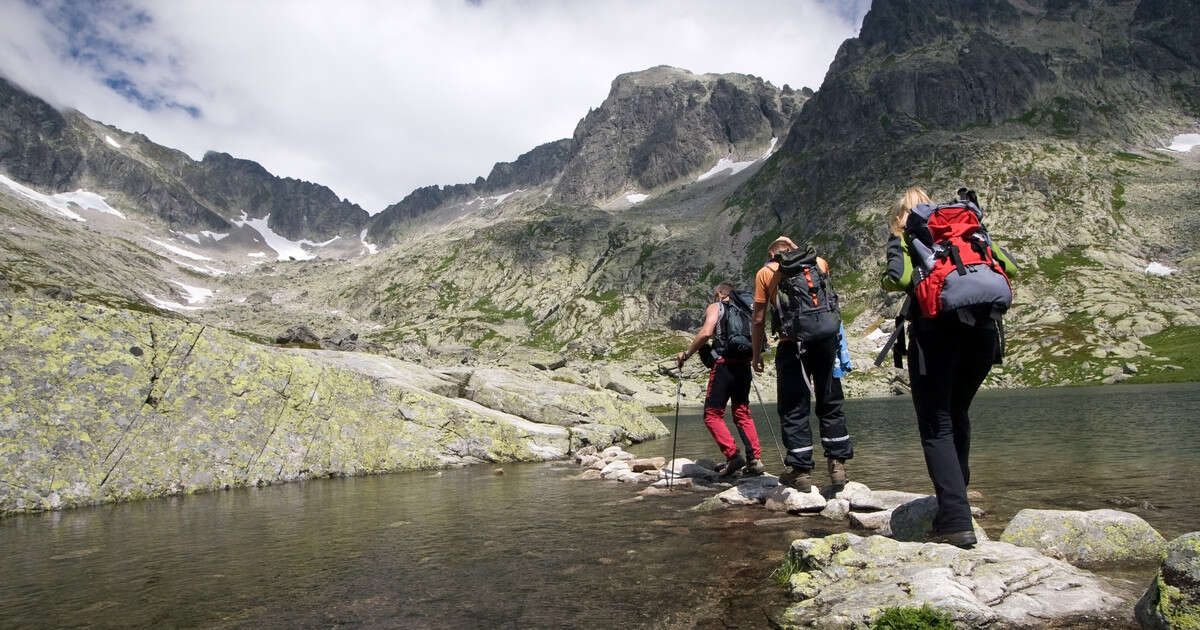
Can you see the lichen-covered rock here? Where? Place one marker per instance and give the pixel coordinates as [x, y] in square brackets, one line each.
[100, 404]
[846, 580]
[1093, 539]
[1173, 600]
[913, 521]
[563, 404]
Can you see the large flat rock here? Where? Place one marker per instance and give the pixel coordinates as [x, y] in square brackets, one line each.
[845, 580]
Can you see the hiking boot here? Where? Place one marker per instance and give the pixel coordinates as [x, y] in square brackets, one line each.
[755, 467]
[732, 465]
[963, 540]
[837, 472]
[797, 478]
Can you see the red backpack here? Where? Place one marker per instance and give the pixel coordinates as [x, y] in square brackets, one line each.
[953, 259]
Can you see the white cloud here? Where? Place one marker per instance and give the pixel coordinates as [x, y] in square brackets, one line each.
[374, 99]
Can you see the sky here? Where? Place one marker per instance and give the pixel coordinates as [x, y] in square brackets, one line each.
[377, 98]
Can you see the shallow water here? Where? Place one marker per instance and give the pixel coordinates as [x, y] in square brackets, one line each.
[534, 548]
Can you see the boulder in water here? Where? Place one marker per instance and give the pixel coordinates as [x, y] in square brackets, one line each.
[1093, 539]
[1173, 599]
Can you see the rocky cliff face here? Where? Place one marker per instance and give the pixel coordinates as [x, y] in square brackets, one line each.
[297, 209]
[662, 124]
[62, 151]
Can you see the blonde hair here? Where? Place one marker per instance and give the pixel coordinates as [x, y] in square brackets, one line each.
[900, 210]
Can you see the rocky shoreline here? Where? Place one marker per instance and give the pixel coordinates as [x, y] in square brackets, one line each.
[1038, 574]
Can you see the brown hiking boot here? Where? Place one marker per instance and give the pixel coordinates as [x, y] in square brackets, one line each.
[837, 472]
[797, 478]
[732, 466]
[755, 467]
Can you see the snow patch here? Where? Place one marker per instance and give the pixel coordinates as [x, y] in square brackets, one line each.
[371, 247]
[61, 202]
[206, 270]
[112, 143]
[499, 199]
[1159, 269]
[194, 294]
[877, 335]
[636, 197]
[213, 235]
[169, 305]
[257, 255]
[283, 247]
[1184, 143]
[177, 250]
[725, 164]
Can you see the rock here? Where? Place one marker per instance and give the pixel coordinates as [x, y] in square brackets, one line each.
[891, 499]
[784, 498]
[836, 509]
[340, 339]
[682, 482]
[588, 461]
[734, 496]
[913, 521]
[585, 451]
[619, 388]
[589, 475]
[1173, 599]
[299, 335]
[652, 463]
[498, 471]
[683, 467]
[258, 297]
[616, 453]
[58, 293]
[1093, 539]
[846, 579]
[879, 522]
[974, 495]
[614, 470]
[859, 496]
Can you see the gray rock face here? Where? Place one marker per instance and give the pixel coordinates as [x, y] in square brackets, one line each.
[586, 412]
[661, 124]
[1173, 599]
[1093, 539]
[846, 579]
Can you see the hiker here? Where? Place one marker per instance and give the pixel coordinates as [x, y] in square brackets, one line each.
[727, 324]
[958, 288]
[796, 285]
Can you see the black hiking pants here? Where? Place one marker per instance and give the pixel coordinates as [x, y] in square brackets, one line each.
[947, 363]
[795, 402]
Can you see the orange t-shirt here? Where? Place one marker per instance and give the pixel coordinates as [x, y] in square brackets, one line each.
[766, 281]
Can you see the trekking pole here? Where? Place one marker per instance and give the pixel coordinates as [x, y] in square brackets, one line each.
[675, 437]
[763, 407]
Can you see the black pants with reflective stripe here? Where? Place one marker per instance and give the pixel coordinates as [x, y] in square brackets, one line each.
[795, 402]
[947, 362]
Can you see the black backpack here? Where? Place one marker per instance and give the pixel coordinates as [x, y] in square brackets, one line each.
[806, 306]
[732, 337]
